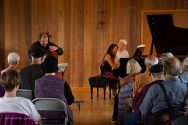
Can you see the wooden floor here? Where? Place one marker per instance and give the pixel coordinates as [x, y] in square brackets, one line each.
[96, 111]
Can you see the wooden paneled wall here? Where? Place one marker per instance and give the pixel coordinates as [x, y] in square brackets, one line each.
[83, 28]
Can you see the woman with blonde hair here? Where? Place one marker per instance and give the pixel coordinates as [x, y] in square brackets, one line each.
[132, 70]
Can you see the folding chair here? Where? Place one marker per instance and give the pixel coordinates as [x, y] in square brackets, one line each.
[51, 104]
[24, 93]
[12, 118]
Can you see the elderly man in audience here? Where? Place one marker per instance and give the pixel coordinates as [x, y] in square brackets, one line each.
[10, 103]
[165, 56]
[13, 61]
[155, 100]
[157, 76]
[132, 69]
[49, 86]
[184, 75]
[32, 72]
[144, 79]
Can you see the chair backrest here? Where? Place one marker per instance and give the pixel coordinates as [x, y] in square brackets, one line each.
[51, 104]
[24, 93]
[11, 118]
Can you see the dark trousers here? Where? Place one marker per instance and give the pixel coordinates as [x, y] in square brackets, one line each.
[115, 112]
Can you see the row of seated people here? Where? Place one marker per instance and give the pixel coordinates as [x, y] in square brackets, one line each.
[38, 77]
[144, 98]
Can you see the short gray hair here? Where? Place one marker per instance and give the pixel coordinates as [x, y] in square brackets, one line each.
[173, 66]
[13, 58]
[165, 56]
[151, 60]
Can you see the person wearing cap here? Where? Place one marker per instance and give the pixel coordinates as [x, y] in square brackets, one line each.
[13, 61]
[32, 72]
[122, 51]
[50, 86]
[154, 99]
[157, 76]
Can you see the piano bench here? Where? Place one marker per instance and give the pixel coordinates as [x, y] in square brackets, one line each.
[99, 82]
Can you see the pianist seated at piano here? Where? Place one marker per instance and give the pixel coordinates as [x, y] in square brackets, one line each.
[144, 78]
[108, 65]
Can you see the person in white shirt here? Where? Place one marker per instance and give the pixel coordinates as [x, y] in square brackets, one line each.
[10, 103]
[122, 51]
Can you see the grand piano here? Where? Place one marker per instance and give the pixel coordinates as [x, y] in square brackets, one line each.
[165, 37]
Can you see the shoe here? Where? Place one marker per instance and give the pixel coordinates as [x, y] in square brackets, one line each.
[113, 120]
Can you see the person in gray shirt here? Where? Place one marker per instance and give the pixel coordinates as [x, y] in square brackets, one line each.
[176, 90]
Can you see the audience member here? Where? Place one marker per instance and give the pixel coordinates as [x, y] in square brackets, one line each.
[144, 78]
[2, 90]
[157, 76]
[165, 56]
[10, 103]
[154, 100]
[13, 61]
[32, 72]
[184, 75]
[49, 86]
[132, 69]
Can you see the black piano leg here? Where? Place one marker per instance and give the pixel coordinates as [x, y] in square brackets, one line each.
[91, 92]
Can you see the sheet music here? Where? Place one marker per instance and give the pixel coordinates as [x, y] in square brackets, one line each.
[62, 66]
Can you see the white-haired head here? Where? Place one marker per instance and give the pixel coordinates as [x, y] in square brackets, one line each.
[123, 41]
[151, 60]
[13, 58]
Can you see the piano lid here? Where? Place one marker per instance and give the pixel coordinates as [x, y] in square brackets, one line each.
[166, 37]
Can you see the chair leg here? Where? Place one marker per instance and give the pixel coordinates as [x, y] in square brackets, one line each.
[110, 88]
[91, 92]
[104, 92]
[97, 91]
